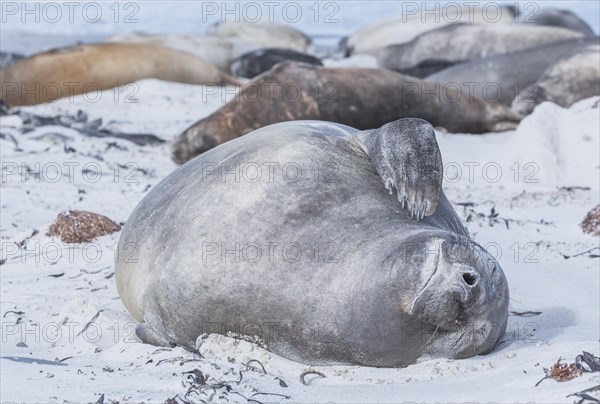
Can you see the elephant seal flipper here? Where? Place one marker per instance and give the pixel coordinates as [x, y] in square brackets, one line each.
[407, 157]
[149, 336]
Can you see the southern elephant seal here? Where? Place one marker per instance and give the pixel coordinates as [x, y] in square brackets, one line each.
[58, 73]
[557, 17]
[436, 50]
[564, 83]
[500, 78]
[358, 97]
[366, 284]
[214, 49]
[404, 28]
[264, 34]
[254, 63]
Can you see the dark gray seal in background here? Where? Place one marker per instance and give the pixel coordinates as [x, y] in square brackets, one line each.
[569, 80]
[365, 283]
[504, 76]
[254, 63]
[436, 50]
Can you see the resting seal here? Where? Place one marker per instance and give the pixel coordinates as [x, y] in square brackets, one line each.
[566, 82]
[404, 28]
[509, 72]
[358, 97]
[366, 283]
[435, 50]
[264, 34]
[214, 49]
[58, 73]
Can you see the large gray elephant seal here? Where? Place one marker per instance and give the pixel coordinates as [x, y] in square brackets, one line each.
[358, 97]
[564, 83]
[65, 72]
[291, 236]
[500, 78]
[436, 50]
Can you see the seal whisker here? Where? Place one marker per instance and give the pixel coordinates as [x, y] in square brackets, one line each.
[431, 338]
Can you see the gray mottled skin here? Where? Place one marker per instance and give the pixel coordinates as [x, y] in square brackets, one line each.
[437, 49]
[511, 72]
[386, 288]
[357, 97]
[256, 62]
[564, 83]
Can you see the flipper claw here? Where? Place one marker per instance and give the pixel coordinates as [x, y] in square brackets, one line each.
[407, 158]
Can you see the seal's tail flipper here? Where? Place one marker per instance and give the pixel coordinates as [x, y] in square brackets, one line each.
[504, 126]
[149, 336]
[501, 118]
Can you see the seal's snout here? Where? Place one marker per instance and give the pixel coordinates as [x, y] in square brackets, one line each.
[190, 144]
[461, 287]
[464, 297]
[179, 153]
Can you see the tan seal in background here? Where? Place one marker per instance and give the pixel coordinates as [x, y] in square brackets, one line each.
[64, 72]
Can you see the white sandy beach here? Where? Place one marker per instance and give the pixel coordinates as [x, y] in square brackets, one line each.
[67, 337]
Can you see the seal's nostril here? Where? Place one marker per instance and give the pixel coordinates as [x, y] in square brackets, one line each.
[470, 278]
